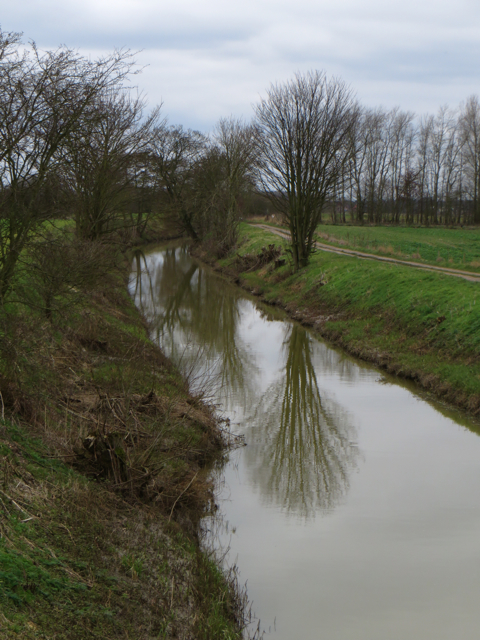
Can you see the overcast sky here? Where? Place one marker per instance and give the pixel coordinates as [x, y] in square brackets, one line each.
[211, 59]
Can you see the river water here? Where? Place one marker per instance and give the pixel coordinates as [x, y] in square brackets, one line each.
[353, 513]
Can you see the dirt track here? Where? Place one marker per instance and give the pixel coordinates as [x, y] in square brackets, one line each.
[458, 273]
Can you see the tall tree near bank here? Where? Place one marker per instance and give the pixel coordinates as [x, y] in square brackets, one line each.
[175, 154]
[43, 97]
[100, 160]
[226, 181]
[304, 127]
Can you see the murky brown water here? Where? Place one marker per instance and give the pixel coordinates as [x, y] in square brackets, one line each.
[354, 511]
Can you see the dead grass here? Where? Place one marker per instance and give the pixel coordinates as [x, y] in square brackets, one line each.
[328, 238]
[104, 469]
[266, 256]
[78, 561]
[386, 250]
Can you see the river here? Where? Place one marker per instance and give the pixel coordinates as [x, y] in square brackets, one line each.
[353, 511]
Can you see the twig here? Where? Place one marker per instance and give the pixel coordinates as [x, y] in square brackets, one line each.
[84, 417]
[79, 415]
[171, 597]
[186, 488]
[114, 413]
[7, 497]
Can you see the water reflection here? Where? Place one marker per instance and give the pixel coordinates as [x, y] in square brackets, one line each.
[304, 452]
[301, 449]
[197, 323]
[399, 559]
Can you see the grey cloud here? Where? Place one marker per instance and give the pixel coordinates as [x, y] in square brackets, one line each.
[211, 59]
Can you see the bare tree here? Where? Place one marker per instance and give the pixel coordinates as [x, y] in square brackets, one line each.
[303, 134]
[355, 168]
[470, 130]
[100, 157]
[204, 181]
[422, 166]
[438, 144]
[175, 153]
[63, 268]
[226, 182]
[401, 159]
[43, 97]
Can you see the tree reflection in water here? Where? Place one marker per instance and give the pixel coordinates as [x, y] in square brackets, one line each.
[300, 442]
[303, 450]
[196, 317]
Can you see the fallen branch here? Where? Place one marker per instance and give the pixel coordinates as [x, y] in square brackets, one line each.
[186, 488]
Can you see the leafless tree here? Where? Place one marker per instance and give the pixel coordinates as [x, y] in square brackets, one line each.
[303, 132]
[43, 97]
[422, 161]
[470, 131]
[204, 181]
[101, 158]
[401, 159]
[377, 140]
[63, 268]
[229, 168]
[175, 153]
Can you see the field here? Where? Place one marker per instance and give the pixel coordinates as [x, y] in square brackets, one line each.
[458, 248]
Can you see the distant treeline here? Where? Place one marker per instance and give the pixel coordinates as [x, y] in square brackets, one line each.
[404, 169]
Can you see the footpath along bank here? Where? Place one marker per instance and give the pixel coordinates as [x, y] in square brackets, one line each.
[419, 325]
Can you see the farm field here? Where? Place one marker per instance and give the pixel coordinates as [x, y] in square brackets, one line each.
[458, 248]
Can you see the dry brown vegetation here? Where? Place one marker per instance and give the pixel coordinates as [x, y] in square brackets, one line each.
[267, 255]
[104, 477]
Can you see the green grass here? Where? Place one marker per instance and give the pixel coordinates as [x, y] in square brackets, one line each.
[418, 323]
[79, 558]
[457, 248]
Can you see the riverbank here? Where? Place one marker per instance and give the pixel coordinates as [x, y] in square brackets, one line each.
[103, 480]
[419, 325]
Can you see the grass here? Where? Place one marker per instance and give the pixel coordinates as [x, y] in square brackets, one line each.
[457, 248]
[418, 324]
[103, 456]
[76, 561]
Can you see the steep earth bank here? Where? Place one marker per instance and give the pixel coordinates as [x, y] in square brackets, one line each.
[103, 480]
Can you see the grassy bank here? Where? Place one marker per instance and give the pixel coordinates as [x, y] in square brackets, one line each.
[439, 246]
[416, 324]
[103, 456]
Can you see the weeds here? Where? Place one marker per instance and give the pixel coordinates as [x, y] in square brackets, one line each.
[102, 480]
